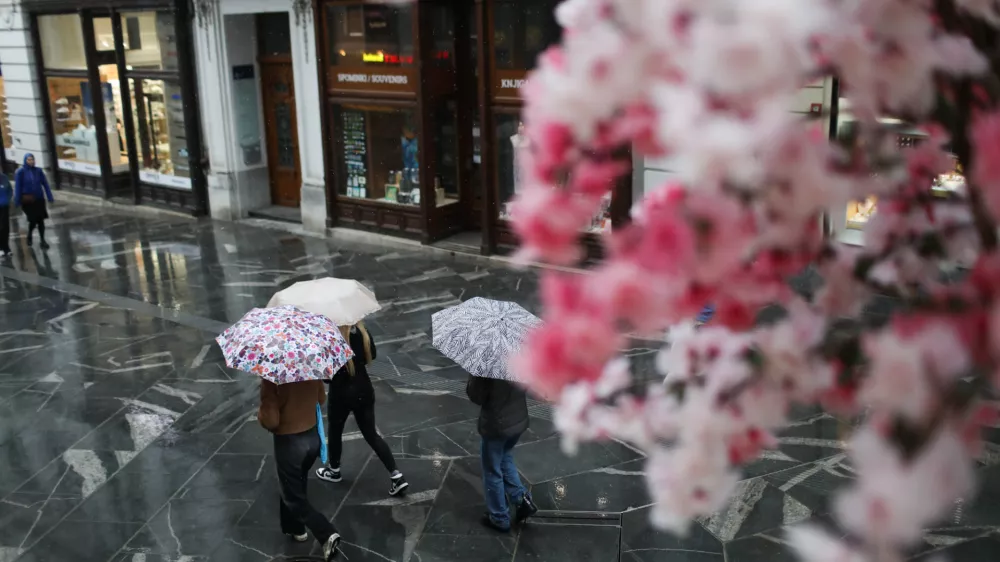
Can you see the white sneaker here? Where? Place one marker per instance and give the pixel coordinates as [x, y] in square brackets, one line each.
[330, 548]
[298, 538]
[329, 474]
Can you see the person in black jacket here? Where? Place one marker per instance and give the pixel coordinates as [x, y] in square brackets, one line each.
[502, 420]
[351, 391]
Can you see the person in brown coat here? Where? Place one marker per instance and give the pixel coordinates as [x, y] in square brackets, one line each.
[288, 411]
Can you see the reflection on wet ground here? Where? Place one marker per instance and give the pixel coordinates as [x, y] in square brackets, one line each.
[123, 437]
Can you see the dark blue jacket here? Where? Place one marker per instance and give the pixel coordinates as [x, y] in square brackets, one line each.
[30, 180]
[6, 192]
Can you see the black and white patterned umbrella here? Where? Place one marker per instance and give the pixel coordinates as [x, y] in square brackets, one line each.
[480, 334]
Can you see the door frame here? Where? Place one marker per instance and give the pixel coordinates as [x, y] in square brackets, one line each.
[263, 63]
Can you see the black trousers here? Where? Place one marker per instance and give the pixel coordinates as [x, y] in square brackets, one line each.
[4, 228]
[364, 413]
[295, 454]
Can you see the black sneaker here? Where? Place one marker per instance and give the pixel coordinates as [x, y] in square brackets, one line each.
[526, 509]
[488, 522]
[303, 537]
[330, 548]
[44, 245]
[329, 474]
[30, 242]
[398, 485]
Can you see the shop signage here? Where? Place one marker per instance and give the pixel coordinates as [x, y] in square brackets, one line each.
[512, 83]
[508, 83]
[372, 80]
[80, 167]
[361, 78]
[154, 177]
[387, 58]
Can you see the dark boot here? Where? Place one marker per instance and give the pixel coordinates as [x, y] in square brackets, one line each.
[526, 509]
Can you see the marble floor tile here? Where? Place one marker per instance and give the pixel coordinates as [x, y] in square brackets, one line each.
[83, 541]
[381, 532]
[614, 489]
[568, 543]
[189, 527]
[640, 542]
[371, 487]
[544, 460]
[77, 473]
[229, 477]
[130, 497]
[176, 452]
[449, 548]
[24, 518]
[251, 544]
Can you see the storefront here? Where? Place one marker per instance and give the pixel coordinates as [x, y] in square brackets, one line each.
[422, 115]
[849, 224]
[119, 104]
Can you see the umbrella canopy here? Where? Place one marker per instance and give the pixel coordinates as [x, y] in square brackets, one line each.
[285, 345]
[345, 301]
[480, 334]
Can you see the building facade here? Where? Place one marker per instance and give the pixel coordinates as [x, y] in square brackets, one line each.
[257, 64]
[103, 94]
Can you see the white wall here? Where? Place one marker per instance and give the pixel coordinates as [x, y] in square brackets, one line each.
[24, 97]
[221, 43]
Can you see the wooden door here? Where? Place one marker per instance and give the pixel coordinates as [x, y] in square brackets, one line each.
[281, 131]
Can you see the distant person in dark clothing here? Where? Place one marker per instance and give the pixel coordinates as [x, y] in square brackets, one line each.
[6, 197]
[289, 412]
[502, 420]
[31, 192]
[351, 391]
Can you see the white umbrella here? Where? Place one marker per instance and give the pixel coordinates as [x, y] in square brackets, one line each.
[345, 301]
[480, 334]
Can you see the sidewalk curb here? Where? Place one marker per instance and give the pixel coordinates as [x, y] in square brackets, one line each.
[95, 201]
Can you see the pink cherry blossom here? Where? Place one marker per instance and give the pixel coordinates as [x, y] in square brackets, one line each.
[710, 85]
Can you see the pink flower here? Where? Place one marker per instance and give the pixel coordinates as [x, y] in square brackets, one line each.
[548, 223]
[985, 136]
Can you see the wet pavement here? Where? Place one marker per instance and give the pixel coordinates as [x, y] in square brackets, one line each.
[123, 437]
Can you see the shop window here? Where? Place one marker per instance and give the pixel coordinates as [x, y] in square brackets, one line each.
[73, 124]
[946, 185]
[381, 155]
[511, 141]
[522, 30]
[150, 40]
[446, 153]
[374, 35]
[161, 138]
[62, 41]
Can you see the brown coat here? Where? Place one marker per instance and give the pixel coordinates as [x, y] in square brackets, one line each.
[289, 408]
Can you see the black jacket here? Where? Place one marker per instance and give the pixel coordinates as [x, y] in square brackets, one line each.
[345, 388]
[504, 411]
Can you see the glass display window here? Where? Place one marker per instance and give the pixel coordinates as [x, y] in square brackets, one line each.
[150, 40]
[370, 35]
[62, 42]
[380, 154]
[510, 141]
[73, 124]
[161, 139]
[522, 30]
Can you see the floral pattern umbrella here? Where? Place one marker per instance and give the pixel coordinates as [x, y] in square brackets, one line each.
[285, 345]
[480, 334]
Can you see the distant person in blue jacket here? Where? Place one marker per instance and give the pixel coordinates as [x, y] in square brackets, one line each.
[6, 196]
[31, 192]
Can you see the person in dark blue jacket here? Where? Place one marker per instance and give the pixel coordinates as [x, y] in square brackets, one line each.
[6, 195]
[31, 192]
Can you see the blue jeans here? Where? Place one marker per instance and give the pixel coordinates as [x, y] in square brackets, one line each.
[500, 479]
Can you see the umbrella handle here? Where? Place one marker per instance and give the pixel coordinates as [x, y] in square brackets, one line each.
[324, 455]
